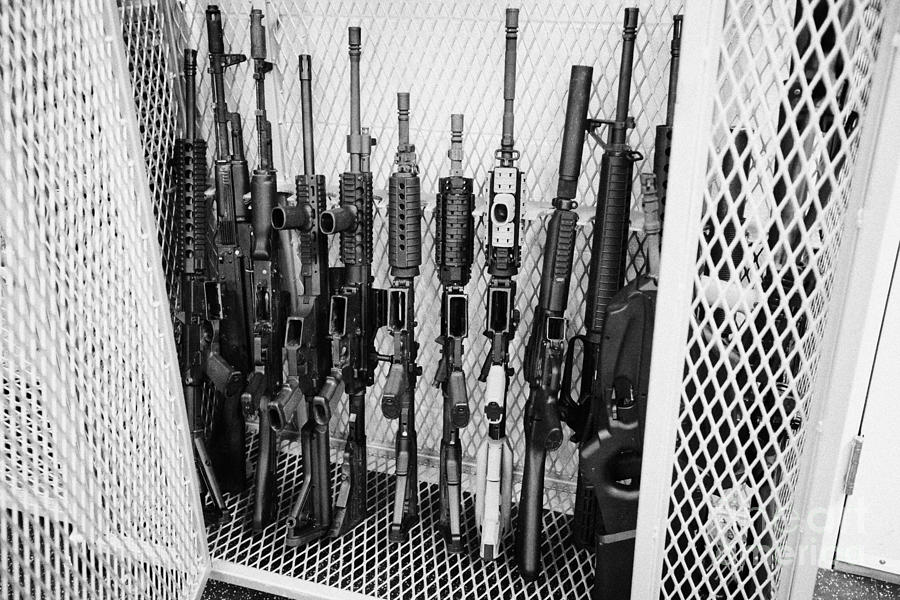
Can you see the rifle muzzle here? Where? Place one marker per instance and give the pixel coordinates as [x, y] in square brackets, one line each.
[214, 30]
[337, 220]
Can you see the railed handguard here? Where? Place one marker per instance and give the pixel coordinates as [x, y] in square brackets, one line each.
[269, 299]
[663, 144]
[190, 181]
[453, 253]
[607, 272]
[356, 307]
[232, 298]
[544, 354]
[494, 485]
[404, 257]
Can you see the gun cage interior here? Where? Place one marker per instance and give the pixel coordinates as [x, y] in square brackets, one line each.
[98, 488]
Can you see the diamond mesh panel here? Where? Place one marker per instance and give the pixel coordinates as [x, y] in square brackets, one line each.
[793, 77]
[97, 492]
[366, 562]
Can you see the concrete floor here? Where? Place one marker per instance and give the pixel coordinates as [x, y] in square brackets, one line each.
[831, 586]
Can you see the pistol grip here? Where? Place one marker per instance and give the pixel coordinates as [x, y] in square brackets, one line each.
[459, 399]
[394, 394]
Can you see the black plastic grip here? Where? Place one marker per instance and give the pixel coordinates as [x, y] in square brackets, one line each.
[574, 130]
[454, 230]
[404, 222]
[531, 503]
[607, 270]
[556, 272]
[214, 30]
[263, 192]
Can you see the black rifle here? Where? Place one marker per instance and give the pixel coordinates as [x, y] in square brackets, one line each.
[662, 149]
[306, 349]
[545, 352]
[268, 300]
[607, 272]
[356, 307]
[494, 467]
[198, 333]
[232, 246]
[454, 233]
[404, 256]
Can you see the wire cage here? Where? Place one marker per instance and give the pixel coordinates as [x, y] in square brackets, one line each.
[100, 499]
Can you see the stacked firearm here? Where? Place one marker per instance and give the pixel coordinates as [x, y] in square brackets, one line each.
[287, 358]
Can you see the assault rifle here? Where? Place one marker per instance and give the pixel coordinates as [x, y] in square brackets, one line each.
[494, 466]
[662, 149]
[306, 349]
[355, 309]
[268, 300]
[545, 352]
[607, 271]
[454, 234]
[200, 359]
[404, 256]
[232, 247]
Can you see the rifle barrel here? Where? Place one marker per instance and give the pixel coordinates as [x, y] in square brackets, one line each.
[509, 83]
[355, 35]
[619, 131]
[673, 68]
[190, 93]
[309, 161]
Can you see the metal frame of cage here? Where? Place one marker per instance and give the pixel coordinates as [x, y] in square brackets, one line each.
[792, 574]
[704, 30]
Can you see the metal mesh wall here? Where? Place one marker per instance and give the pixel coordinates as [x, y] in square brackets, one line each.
[793, 80]
[449, 56]
[97, 493]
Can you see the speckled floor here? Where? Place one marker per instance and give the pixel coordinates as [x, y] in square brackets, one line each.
[831, 585]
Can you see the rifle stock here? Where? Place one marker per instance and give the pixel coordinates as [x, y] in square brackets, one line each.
[607, 271]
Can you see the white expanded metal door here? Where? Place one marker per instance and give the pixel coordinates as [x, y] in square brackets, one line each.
[98, 497]
[779, 93]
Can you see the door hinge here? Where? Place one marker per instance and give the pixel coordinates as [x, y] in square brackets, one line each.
[853, 464]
